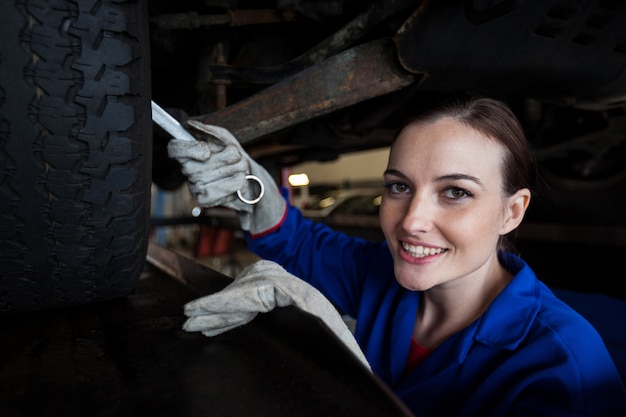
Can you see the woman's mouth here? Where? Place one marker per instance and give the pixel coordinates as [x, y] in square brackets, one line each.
[420, 251]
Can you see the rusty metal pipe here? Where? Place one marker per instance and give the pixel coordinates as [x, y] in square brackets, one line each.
[192, 20]
[358, 74]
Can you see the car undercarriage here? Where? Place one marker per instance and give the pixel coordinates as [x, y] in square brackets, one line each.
[304, 80]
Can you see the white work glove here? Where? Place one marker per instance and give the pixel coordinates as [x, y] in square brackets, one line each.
[260, 288]
[217, 169]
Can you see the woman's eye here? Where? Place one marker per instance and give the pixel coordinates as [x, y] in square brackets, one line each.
[456, 193]
[397, 187]
[401, 188]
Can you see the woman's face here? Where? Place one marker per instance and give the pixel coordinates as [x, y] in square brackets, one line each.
[443, 209]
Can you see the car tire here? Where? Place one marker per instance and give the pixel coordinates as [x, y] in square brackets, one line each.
[75, 151]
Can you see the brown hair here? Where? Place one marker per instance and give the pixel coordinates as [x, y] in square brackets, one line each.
[495, 119]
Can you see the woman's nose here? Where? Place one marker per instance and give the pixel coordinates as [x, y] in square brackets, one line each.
[418, 215]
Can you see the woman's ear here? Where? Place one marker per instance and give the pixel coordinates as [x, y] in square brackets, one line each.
[515, 210]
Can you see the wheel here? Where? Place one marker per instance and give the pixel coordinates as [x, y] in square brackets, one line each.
[75, 151]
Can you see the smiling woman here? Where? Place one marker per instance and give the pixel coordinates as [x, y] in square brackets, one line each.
[442, 288]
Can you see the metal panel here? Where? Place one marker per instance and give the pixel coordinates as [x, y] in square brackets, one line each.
[131, 357]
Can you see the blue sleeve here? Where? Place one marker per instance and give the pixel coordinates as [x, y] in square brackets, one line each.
[331, 261]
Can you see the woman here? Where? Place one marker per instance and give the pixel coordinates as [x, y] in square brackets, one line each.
[451, 321]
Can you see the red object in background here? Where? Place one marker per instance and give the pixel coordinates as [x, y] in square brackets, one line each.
[213, 241]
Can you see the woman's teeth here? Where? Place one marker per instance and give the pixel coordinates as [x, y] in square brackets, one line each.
[420, 251]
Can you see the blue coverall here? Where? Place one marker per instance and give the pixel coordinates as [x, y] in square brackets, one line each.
[529, 354]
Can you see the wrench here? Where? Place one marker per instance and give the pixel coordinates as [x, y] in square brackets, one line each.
[178, 131]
